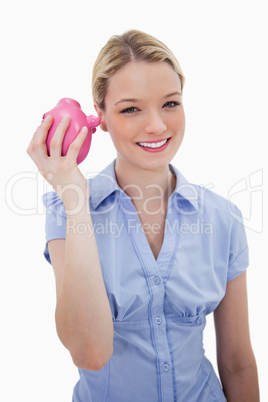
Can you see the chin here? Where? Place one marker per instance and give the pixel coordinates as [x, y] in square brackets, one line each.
[154, 164]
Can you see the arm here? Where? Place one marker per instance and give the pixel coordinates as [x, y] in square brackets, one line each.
[83, 315]
[236, 362]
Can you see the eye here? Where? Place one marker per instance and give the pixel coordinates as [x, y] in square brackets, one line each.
[171, 104]
[129, 110]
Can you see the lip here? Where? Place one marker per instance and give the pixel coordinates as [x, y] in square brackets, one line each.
[155, 141]
[153, 150]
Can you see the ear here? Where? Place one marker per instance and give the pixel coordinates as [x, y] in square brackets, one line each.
[100, 114]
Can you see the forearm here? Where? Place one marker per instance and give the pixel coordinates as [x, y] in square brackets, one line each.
[83, 314]
[241, 385]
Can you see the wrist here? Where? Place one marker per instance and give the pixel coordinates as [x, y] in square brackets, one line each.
[73, 195]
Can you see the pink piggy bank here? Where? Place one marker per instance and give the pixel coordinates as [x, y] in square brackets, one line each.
[78, 119]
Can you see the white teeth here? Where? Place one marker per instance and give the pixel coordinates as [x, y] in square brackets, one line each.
[152, 144]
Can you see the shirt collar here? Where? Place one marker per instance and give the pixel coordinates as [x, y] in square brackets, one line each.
[105, 183]
[185, 190]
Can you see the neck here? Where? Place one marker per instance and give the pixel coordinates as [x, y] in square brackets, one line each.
[144, 185]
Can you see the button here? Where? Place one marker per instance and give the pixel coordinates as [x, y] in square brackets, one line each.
[157, 280]
[158, 320]
[165, 367]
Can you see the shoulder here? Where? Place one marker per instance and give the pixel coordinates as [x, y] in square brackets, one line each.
[215, 202]
[206, 202]
[219, 210]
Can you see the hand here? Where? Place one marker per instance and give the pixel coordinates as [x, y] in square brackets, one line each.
[61, 172]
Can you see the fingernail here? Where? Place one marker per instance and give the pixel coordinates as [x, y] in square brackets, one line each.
[65, 118]
[48, 117]
[84, 130]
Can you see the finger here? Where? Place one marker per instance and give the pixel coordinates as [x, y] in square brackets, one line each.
[76, 145]
[37, 147]
[42, 130]
[57, 139]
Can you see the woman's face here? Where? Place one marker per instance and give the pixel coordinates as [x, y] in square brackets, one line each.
[144, 114]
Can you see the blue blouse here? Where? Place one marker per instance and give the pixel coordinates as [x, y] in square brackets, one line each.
[159, 307]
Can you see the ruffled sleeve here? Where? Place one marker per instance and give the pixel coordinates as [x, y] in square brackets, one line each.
[238, 253]
[55, 226]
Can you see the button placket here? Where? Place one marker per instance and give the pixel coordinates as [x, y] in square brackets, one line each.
[156, 287]
[160, 338]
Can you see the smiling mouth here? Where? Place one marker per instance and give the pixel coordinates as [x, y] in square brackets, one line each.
[157, 144]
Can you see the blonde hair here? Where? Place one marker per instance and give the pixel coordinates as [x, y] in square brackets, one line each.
[120, 50]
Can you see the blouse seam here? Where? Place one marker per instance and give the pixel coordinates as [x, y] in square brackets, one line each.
[108, 385]
[133, 322]
[207, 381]
[238, 256]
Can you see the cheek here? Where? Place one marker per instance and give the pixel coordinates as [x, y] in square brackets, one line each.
[133, 124]
[177, 124]
[124, 129]
[180, 121]
[119, 132]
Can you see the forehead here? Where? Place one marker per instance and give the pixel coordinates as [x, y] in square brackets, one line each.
[141, 78]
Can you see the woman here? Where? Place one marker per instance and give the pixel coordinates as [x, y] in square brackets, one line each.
[146, 255]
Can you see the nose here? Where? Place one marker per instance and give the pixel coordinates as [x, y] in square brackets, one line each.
[155, 123]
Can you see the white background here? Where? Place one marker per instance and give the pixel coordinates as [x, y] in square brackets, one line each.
[47, 52]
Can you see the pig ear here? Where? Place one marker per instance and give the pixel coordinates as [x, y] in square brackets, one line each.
[93, 121]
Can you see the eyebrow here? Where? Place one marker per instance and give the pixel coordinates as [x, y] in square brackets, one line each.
[133, 100]
[127, 100]
[172, 94]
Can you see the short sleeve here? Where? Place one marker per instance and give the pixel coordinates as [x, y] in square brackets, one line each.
[238, 253]
[55, 226]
